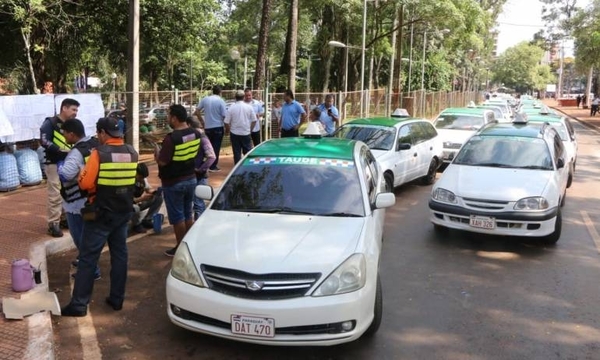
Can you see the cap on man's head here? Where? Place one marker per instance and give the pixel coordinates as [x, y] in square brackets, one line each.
[110, 126]
[239, 95]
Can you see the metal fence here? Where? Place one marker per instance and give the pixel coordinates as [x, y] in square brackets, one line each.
[380, 103]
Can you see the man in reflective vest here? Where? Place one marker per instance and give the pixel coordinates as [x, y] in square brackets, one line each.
[176, 169]
[73, 197]
[56, 147]
[108, 178]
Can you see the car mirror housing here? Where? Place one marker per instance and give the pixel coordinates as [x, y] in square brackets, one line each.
[404, 146]
[204, 192]
[385, 200]
[560, 163]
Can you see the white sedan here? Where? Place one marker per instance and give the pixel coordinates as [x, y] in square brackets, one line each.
[288, 251]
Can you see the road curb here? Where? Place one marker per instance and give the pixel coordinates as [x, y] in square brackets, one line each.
[40, 331]
[583, 122]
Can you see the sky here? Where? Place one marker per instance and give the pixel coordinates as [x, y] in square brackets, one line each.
[520, 20]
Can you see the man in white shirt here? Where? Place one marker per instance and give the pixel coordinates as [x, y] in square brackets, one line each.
[239, 121]
[259, 111]
[214, 112]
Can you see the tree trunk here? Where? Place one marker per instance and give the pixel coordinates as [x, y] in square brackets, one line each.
[263, 39]
[26, 39]
[292, 39]
[588, 88]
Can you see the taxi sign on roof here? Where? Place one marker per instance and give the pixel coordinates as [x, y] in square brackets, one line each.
[293, 160]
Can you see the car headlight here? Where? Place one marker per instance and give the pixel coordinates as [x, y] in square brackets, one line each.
[183, 267]
[443, 195]
[532, 203]
[348, 277]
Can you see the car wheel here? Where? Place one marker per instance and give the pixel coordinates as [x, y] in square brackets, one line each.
[439, 229]
[553, 238]
[377, 310]
[430, 177]
[389, 182]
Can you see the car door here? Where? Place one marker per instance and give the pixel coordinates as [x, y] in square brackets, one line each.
[422, 146]
[560, 153]
[406, 156]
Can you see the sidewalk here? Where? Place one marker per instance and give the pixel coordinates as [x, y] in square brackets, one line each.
[583, 115]
[23, 235]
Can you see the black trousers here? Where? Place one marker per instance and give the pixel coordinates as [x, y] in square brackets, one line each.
[289, 133]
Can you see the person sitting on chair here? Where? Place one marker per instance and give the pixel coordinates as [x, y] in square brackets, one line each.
[147, 201]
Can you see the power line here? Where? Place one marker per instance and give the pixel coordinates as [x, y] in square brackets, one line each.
[521, 25]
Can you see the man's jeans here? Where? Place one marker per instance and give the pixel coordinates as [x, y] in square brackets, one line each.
[199, 205]
[108, 227]
[240, 144]
[152, 206]
[75, 222]
[215, 135]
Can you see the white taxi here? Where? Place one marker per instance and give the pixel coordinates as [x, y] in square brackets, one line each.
[508, 179]
[288, 251]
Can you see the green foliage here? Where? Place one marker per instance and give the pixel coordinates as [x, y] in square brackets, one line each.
[518, 68]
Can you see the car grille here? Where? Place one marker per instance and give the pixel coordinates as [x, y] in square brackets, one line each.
[258, 286]
[485, 204]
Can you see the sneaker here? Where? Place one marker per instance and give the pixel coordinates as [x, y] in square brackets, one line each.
[138, 229]
[54, 230]
[171, 252]
[216, 169]
[147, 224]
[114, 305]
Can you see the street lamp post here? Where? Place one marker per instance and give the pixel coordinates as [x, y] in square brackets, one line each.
[342, 45]
[362, 61]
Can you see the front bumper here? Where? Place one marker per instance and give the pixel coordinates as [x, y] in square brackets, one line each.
[512, 223]
[211, 314]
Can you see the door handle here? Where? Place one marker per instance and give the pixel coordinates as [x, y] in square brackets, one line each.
[431, 148]
[415, 154]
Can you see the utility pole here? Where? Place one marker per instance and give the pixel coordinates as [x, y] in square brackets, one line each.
[132, 135]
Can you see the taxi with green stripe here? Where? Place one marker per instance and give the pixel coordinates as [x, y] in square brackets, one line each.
[296, 228]
[407, 148]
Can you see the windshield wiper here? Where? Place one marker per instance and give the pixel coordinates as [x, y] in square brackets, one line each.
[275, 210]
[534, 167]
[491, 164]
[340, 214]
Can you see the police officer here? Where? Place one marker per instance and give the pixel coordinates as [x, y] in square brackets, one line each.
[56, 147]
[109, 178]
[176, 170]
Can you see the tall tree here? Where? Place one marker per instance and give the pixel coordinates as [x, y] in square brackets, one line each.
[263, 39]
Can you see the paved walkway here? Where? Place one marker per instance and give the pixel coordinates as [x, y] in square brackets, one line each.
[23, 234]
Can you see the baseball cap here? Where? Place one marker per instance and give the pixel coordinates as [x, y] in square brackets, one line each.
[110, 126]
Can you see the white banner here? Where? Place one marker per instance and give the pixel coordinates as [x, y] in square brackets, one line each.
[26, 114]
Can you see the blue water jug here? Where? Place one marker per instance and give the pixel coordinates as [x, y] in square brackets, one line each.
[157, 221]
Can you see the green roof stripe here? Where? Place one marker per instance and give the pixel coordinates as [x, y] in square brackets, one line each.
[331, 148]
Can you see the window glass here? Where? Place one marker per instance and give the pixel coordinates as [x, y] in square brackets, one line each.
[376, 137]
[288, 185]
[459, 122]
[418, 133]
[506, 152]
[404, 136]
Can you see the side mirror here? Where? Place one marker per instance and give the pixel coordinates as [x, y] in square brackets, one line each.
[403, 146]
[385, 200]
[204, 192]
[560, 163]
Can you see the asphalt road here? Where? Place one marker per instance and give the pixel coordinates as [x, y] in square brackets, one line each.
[461, 296]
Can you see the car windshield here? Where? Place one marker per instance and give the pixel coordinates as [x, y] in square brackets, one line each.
[560, 128]
[290, 185]
[376, 137]
[505, 152]
[459, 122]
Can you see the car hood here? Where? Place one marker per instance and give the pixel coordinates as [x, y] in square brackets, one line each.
[265, 243]
[455, 136]
[493, 183]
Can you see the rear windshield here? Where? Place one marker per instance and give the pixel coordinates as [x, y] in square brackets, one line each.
[459, 122]
[376, 137]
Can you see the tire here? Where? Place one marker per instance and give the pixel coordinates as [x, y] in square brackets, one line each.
[377, 310]
[389, 182]
[431, 171]
[553, 238]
